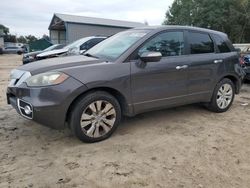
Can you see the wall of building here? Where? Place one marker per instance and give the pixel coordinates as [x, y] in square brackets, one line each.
[58, 37]
[77, 31]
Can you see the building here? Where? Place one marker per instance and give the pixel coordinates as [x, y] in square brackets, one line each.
[65, 28]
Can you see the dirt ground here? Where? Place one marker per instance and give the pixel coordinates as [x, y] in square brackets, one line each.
[180, 147]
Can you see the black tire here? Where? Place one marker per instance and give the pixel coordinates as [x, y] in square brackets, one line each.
[19, 53]
[82, 104]
[213, 105]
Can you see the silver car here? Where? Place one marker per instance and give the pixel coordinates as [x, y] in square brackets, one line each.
[13, 50]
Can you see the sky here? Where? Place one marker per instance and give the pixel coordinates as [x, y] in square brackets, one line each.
[24, 17]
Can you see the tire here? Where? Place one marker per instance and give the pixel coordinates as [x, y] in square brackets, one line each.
[95, 116]
[19, 53]
[221, 102]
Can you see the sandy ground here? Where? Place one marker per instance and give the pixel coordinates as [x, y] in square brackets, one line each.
[181, 147]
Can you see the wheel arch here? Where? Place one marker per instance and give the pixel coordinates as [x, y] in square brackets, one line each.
[235, 80]
[125, 107]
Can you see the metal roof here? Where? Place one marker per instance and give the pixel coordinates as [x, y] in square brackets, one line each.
[97, 21]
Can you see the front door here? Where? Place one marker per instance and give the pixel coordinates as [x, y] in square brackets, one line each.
[163, 83]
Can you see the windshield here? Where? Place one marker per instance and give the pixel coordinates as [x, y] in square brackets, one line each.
[116, 45]
[77, 43]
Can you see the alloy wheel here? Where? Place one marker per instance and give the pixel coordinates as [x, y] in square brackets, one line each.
[98, 118]
[224, 96]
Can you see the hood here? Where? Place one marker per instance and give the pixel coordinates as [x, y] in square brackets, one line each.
[32, 53]
[53, 52]
[58, 63]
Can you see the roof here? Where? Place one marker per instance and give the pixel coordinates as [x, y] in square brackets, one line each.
[164, 27]
[96, 21]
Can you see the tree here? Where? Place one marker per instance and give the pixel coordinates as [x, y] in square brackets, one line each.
[229, 16]
[5, 29]
[22, 39]
[46, 37]
[31, 38]
[9, 38]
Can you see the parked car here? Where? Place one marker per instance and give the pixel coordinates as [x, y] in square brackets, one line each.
[245, 62]
[31, 56]
[129, 73]
[13, 50]
[74, 48]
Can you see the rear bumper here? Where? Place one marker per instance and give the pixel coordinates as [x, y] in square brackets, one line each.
[48, 105]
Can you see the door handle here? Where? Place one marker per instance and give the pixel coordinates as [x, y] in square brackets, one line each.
[218, 61]
[182, 67]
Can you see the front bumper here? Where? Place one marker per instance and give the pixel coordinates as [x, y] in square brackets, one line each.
[49, 105]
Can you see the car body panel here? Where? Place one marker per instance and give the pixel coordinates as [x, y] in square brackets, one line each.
[154, 84]
[57, 63]
[143, 86]
[52, 53]
[50, 103]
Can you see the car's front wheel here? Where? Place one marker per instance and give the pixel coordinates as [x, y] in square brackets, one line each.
[95, 116]
[223, 96]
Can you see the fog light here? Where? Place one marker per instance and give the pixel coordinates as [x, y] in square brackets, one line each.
[27, 110]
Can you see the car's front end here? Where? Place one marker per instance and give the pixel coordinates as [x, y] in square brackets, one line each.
[45, 97]
[30, 57]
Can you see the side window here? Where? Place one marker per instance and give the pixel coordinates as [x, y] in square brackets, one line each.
[169, 44]
[200, 43]
[221, 44]
[84, 46]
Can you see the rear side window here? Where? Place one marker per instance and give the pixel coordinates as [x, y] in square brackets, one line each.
[221, 44]
[200, 43]
[169, 44]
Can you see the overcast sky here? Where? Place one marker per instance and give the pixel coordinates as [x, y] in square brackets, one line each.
[25, 17]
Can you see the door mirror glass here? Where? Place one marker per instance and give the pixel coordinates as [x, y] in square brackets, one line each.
[151, 56]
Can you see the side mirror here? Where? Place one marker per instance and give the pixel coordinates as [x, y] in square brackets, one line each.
[151, 56]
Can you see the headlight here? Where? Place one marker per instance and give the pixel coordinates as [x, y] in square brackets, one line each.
[46, 79]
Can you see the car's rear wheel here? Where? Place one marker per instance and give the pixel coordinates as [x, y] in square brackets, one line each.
[95, 116]
[223, 96]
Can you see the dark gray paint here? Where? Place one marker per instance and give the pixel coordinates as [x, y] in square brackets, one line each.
[138, 86]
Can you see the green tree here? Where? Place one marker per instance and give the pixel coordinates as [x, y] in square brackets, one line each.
[9, 38]
[31, 38]
[46, 37]
[22, 39]
[229, 16]
[5, 29]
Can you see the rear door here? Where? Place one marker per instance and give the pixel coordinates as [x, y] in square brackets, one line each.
[205, 65]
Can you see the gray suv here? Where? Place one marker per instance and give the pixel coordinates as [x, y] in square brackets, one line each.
[129, 73]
